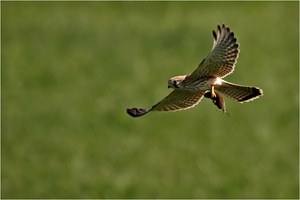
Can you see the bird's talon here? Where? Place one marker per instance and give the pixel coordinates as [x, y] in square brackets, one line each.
[213, 95]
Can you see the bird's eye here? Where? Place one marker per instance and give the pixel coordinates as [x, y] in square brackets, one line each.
[174, 82]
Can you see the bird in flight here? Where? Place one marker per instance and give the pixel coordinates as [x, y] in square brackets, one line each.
[206, 80]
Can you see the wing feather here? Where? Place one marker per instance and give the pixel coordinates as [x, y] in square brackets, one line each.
[221, 60]
[178, 100]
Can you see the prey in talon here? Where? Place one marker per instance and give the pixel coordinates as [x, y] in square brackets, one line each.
[218, 100]
[207, 80]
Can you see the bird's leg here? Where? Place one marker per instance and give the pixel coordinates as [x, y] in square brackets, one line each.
[213, 94]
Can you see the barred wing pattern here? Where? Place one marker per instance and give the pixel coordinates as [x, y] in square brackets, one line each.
[221, 60]
[239, 93]
[178, 100]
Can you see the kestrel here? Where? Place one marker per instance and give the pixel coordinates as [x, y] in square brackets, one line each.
[207, 80]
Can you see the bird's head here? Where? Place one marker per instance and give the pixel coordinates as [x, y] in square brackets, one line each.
[175, 81]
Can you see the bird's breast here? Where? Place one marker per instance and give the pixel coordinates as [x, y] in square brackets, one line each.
[200, 84]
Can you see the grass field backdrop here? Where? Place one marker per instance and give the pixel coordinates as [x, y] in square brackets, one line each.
[70, 69]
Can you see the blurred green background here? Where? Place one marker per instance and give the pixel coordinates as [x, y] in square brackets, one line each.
[70, 69]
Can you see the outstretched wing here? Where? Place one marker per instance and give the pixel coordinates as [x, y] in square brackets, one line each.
[221, 60]
[178, 100]
[175, 101]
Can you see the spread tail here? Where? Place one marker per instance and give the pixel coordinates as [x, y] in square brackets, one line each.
[239, 93]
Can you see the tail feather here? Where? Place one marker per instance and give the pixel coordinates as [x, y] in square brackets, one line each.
[239, 93]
